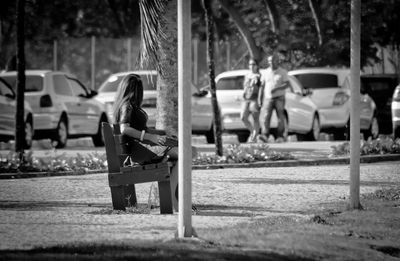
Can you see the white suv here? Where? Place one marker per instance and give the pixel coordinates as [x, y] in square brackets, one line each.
[62, 106]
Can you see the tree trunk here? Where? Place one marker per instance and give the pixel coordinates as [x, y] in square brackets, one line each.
[273, 16]
[20, 124]
[211, 73]
[316, 13]
[254, 50]
[167, 85]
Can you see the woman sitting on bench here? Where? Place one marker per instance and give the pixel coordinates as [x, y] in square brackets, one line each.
[132, 119]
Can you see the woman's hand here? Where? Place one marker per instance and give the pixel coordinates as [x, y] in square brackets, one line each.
[156, 139]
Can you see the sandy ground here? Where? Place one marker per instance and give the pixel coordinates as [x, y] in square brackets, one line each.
[44, 212]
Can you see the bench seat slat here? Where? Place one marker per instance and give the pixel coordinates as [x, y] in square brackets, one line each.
[143, 176]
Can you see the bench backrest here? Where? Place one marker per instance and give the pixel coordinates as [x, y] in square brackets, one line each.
[119, 147]
[113, 160]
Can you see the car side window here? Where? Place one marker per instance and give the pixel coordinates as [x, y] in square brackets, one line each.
[4, 90]
[294, 87]
[230, 83]
[77, 88]
[61, 85]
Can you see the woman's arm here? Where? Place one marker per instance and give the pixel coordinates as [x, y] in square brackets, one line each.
[150, 138]
[155, 131]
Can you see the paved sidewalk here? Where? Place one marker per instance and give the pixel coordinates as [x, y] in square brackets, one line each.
[44, 212]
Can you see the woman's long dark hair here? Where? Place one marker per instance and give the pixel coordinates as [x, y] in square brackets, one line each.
[130, 91]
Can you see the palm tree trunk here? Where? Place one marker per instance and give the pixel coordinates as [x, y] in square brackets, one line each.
[20, 124]
[167, 85]
[211, 73]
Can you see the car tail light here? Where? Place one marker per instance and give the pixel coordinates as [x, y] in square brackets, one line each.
[45, 101]
[149, 102]
[340, 98]
[396, 94]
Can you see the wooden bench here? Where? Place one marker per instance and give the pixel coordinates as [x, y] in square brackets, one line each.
[122, 179]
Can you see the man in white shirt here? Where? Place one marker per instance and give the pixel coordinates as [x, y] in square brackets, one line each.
[272, 96]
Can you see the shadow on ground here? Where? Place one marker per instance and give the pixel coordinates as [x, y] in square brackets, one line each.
[183, 251]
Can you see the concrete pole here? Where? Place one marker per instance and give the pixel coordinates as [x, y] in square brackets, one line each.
[129, 53]
[196, 61]
[185, 119]
[355, 105]
[93, 63]
[55, 66]
[228, 54]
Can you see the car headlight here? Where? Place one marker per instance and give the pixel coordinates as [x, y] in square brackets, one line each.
[109, 107]
[340, 98]
[396, 94]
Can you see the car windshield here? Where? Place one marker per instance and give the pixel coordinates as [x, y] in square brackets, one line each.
[33, 83]
[230, 83]
[111, 84]
[318, 80]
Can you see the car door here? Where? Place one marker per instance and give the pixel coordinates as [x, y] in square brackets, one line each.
[230, 96]
[299, 107]
[7, 109]
[85, 113]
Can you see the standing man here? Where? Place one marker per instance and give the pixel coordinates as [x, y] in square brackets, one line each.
[272, 96]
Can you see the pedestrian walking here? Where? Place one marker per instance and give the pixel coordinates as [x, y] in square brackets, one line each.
[250, 105]
[272, 97]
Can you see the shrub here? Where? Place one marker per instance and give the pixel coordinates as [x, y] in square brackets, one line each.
[382, 145]
[235, 153]
[96, 161]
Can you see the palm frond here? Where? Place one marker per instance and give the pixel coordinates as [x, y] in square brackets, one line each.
[150, 18]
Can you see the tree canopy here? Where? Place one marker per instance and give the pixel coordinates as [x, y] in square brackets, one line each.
[310, 32]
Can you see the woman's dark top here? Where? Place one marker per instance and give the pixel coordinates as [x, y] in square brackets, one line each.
[134, 116]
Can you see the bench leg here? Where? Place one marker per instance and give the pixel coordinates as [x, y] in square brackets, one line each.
[164, 191]
[174, 186]
[118, 197]
[130, 196]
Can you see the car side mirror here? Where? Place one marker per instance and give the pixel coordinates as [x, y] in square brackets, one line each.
[10, 96]
[200, 93]
[307, 92]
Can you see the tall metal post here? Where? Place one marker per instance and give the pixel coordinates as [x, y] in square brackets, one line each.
[355, 105]
[129, 53]
[196, 61]
[185, 119]
[93, 63]
[55, 51]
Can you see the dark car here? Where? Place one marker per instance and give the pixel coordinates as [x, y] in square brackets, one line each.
[381, 87]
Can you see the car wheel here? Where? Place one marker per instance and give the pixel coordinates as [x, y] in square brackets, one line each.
[98, 139]
[61, 135]
[243, 137]
[315, 129]
[373, 130]
[210, 136]
[343, 133]
[28, 135]
[396, 132]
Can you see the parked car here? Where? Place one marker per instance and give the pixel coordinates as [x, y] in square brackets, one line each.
[381, 87]
[396, 112]
[8, 108]
[62, 106]
[302, 117]
[331, 93]
[202, 114]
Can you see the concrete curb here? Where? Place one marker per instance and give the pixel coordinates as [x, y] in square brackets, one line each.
[279, 163]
